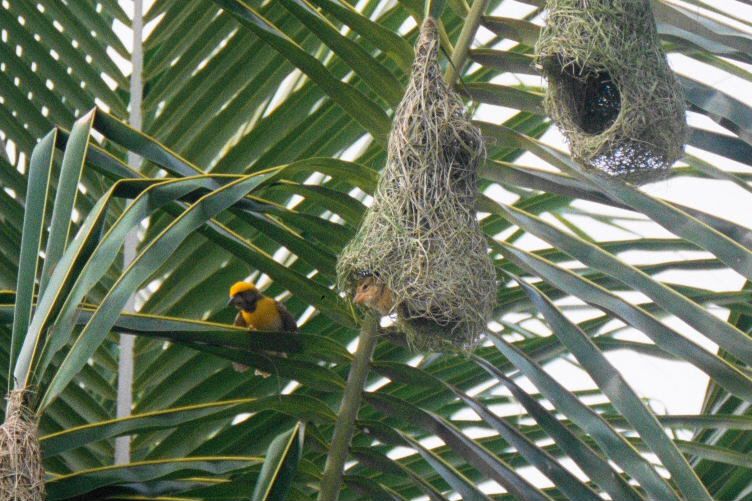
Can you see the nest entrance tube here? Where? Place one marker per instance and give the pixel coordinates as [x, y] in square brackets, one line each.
[421, 237]
[610, 89]
[21, 470]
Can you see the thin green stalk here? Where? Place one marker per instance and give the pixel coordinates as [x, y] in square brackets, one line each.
[434, 8]
[331, 482]
[459, 56]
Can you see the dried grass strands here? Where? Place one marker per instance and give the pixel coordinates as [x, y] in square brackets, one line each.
[610, 89]
[21, 470]
[421, 236]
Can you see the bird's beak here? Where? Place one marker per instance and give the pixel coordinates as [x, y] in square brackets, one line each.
[359, 298]
[232, 301]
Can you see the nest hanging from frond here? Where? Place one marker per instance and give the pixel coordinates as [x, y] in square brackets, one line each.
[21, 470]
[421, 237]
[610, 89]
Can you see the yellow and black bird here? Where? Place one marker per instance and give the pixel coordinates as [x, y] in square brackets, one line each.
[373, 293]
[260, 313]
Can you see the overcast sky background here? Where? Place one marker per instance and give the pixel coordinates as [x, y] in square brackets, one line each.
[671, 387]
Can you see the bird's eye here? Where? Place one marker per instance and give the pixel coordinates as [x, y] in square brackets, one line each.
[365, 287]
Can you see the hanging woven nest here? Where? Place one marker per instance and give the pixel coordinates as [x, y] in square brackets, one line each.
[610, 89]
[421, 237]
[21, 470]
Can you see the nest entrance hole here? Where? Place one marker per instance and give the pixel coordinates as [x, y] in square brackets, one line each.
[591, 95]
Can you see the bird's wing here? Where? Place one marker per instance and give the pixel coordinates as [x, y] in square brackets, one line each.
[288, 321]
[239, 322]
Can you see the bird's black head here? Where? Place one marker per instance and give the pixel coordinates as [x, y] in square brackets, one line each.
[245, 300]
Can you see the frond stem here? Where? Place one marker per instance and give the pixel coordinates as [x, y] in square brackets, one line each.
[461, 49]
[331, 482]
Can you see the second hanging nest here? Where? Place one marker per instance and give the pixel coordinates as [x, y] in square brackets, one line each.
[421, 237]
[21, 470]
[610, 89]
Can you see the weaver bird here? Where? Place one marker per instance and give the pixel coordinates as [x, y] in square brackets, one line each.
[373, 293]
[261, 313]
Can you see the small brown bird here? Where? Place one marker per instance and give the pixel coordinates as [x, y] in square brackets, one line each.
[260, 313]
[373, 293]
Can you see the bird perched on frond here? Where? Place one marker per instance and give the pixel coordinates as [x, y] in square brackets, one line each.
[373, 293]
[260, 313]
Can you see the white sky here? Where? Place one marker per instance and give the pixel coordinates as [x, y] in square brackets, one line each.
[671, 387]
[674, 386]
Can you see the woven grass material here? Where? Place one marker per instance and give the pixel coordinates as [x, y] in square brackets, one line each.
[21, 470]
[420, 236]
[610, 89]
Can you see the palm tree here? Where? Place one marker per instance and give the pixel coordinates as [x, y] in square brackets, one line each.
[264, 127]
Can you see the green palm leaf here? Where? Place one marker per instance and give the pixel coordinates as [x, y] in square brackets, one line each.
[264, 130]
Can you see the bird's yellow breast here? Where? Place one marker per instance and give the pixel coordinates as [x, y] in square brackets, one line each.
[266, 316]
